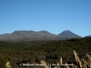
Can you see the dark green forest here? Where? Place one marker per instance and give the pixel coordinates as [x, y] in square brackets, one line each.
[50, 51]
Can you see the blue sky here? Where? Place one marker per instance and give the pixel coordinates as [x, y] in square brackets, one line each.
[54, 16]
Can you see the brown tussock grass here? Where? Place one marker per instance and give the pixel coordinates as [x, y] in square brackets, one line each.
[89, 64]
[61, 61]
[77, 58]
[67, 66]
[74, 66]
[88, 56]
[44, 63]
[84, 66]
[8, 65]
[84, 61]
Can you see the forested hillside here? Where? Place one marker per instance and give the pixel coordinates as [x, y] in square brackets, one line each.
[50, 51]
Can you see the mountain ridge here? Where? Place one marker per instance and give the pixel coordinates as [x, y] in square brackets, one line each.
[37, 35]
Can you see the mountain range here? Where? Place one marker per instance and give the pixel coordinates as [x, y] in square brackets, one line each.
[24, 35]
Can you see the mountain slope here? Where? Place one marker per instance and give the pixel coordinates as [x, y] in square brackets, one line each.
[68, 33]
[28, 35]
[24, 35]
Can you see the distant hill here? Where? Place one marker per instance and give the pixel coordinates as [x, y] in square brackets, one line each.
[89, 36]
[68, 33]
[28, 35]
[24, 35]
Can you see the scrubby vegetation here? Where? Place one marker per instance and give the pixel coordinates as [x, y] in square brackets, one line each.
[81, 62]
[49, 51]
